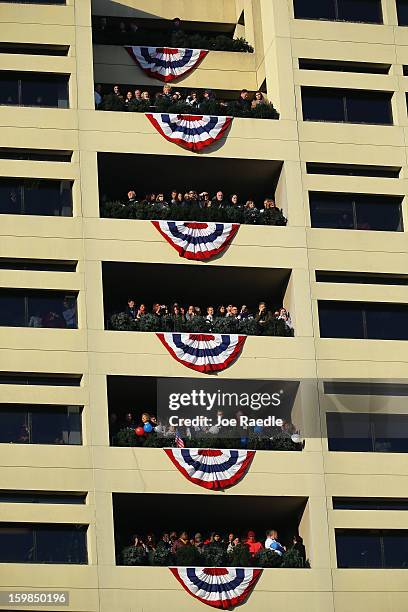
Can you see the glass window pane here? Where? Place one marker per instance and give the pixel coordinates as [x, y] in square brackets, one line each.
[322, 105]
[16, 544]
[368, 107]
[378, 213]
[10, 197]
[13, 425]
[318, 9]
[61, 545]
[331, 211]
[12, 309]
[45, 310]
[8, 90]
[390, 433]
[387, 322]
[366, 11]
[402, 8]
[44, 198]
[39, 91]
[349, 432]
[340, 320]
[49, 424]
[395, 549]
[358, 549]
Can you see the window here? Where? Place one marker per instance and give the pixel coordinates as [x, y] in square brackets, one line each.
[33, 49]
[343, 66]
[355, 211]
[40, 424]
[33, 378]
[33, 89]
[369, 503]
[372, 321]
[41, 497]
[346, 105]
[353, 170]
[390, 389]
[38, 265]
[43, 543]
[367, 432]
[35, 154]
[402, 10]
[365, 11]
[360, 278]
[19, 196]
[26, 308]
[372, 548]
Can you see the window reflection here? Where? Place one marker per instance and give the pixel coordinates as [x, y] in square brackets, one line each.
[36, 197]
[38, 424]
[366, 432]
[34, 89]
[22, 543]
[52, 309]
[346, 105]
[365, 11]
[372, 548]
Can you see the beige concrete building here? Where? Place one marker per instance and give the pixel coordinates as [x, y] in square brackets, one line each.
[337, 162]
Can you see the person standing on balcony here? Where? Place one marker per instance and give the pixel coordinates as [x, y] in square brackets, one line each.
[272, 543]
[244, 102]
[218, 200]
[253, 544]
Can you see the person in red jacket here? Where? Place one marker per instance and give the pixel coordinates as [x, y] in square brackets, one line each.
[252, 543]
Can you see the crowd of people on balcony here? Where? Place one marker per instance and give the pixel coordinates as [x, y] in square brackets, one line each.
[147, 430]
[223, 318]
[215, 548]
[116, 31]
[198, 206]
[181, 101]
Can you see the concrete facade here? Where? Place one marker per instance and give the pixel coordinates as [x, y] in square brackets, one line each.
[98, 469]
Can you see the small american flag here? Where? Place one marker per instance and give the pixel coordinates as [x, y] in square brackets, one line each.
[179, 441]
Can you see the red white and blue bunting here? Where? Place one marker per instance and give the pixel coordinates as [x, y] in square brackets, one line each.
[193, 132]
[205, 353]
[166, 63]
[194, 240]
[211, 468]
[219, 587]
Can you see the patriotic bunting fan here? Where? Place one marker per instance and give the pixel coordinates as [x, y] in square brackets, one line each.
[193, 132]
[211, 468]
[203, 352]
[194, 240]
[219, 587]
[166, 63]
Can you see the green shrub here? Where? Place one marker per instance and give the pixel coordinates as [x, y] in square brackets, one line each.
[127, 437]
[112, 102]
[162, 555]
[292, 558]
[134, 555]
[268, 558]
[240, 556]
[214, 555]
[187, 556]
[139, 106]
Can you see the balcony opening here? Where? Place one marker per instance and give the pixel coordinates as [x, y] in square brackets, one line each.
[32, 308]
[47, 197]
[166, 285]
[131, 397]
[347, 105]
[356, 211]
[40, 424]
[237, 515]
[43, 543]
[358, 11]
[165, 33]
[367, 432]
[363, 320]
[33, 89]
[191, 179]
